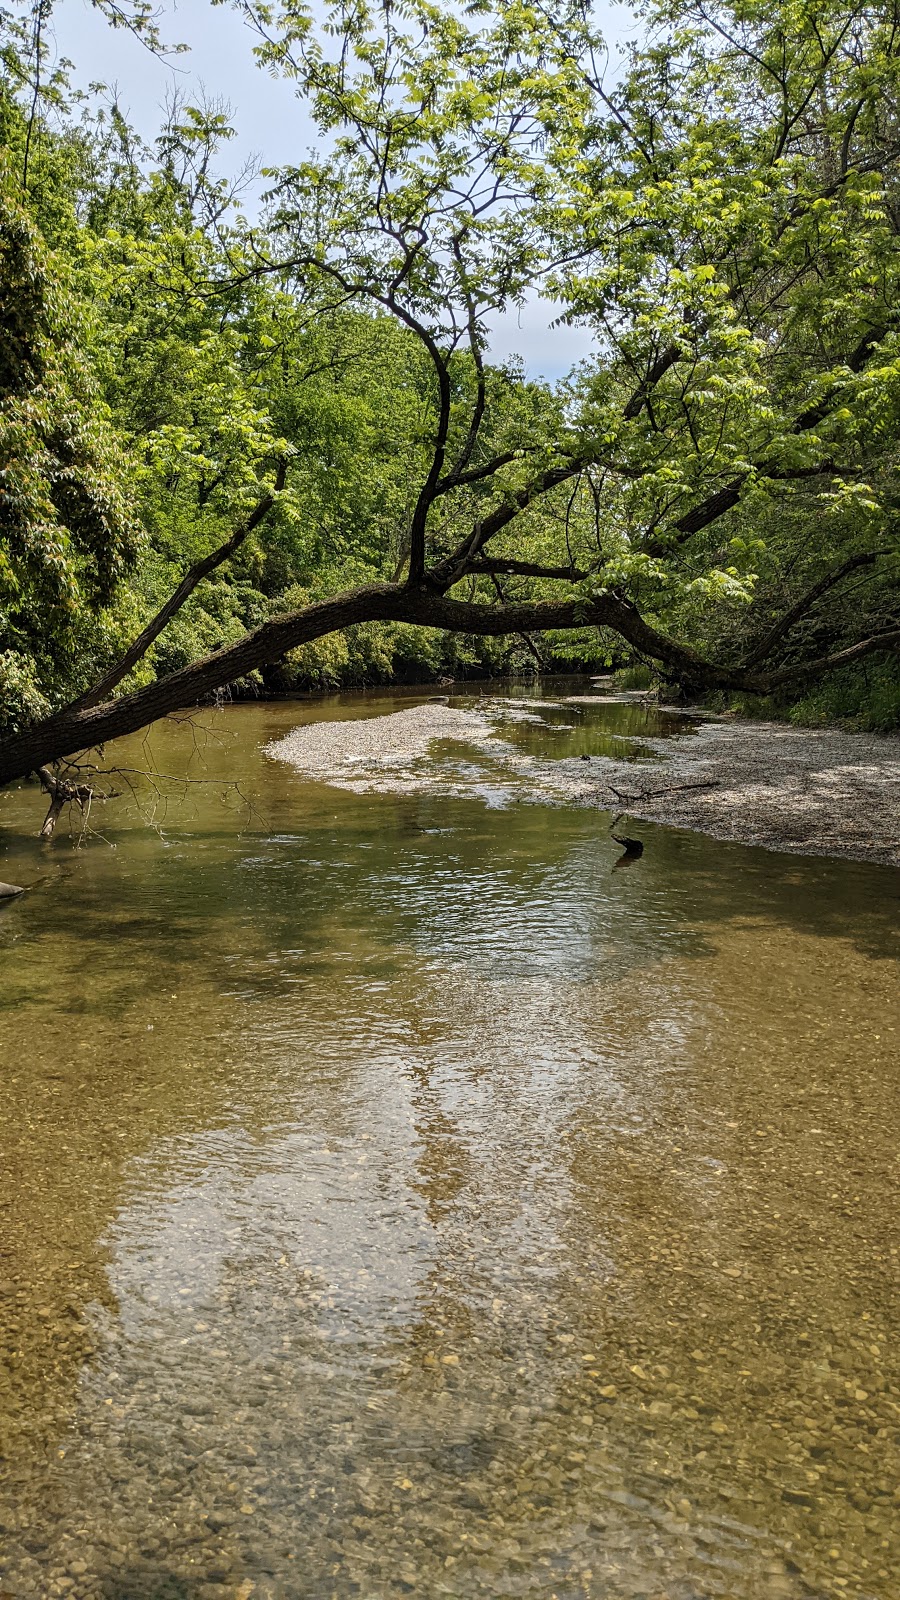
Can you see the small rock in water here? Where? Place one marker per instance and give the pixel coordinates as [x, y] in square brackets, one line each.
[198, 1407]
[8, 891]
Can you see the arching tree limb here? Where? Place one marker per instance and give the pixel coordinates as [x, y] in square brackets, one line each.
[887, 643]
[80, 728]
[708, 511]
[785, 622]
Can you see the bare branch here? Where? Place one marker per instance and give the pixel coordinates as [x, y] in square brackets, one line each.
[444, 574]
[64, 791]
[725, 499]
[526, 569]
[879, 644]
[458, 479]
[660, 367]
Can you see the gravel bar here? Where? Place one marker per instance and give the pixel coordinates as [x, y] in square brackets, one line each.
[808, 791]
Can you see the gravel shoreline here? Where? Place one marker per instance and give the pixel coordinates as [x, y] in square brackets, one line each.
[806, 791]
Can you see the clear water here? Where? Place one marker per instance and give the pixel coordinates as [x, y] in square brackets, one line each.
[616, 728]
[396, 1200]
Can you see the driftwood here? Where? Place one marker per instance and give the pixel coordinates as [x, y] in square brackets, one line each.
[653, 794]
[632, 847]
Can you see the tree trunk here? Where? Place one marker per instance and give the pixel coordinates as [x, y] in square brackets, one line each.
[81, 728]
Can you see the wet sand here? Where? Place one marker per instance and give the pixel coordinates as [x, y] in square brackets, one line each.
[807, 791]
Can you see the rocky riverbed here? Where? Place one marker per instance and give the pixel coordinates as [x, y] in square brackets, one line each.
[809, 791]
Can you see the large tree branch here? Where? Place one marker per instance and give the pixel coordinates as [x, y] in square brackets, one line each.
[444, 574]
[814, 414]
[708, 511]
[487, 469]
[701, 516]
[104, 686]
[880, 643]
[715, 505]
[77, 728]
[429, 489]
[776, 633]
[81, 728]
[673, 353]
[386, 296]
[477, 417]
[667, 359]
[526, 569]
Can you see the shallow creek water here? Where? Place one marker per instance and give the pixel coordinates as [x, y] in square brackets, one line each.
[397, 1200]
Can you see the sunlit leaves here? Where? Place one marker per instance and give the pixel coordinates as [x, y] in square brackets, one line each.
[67, 534]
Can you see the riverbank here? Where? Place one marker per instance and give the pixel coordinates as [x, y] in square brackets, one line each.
[805, 791]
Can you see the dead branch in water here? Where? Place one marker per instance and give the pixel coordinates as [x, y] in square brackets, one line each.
[67, 791]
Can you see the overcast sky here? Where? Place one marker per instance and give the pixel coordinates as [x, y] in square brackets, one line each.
[270, 123]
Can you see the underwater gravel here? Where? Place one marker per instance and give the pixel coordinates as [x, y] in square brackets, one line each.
[803, 790]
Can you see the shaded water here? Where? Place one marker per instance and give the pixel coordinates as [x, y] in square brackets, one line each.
[397, 1201]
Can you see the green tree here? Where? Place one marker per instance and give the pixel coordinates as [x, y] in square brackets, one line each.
[734, 224]
[67, 532]
[723, 220]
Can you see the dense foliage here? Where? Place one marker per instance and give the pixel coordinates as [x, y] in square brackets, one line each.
[740, 203]
[306, 404]
[179, 404]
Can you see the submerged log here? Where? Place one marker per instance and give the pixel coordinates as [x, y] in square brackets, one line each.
[632, 852]
[632, 847]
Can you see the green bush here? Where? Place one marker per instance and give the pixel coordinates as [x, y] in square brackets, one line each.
[637, 676]
[21, 700]
[862, 697]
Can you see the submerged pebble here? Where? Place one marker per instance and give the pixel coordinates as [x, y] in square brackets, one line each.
[474, 1222]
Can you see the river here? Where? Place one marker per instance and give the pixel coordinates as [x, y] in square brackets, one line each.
[398, 1200]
